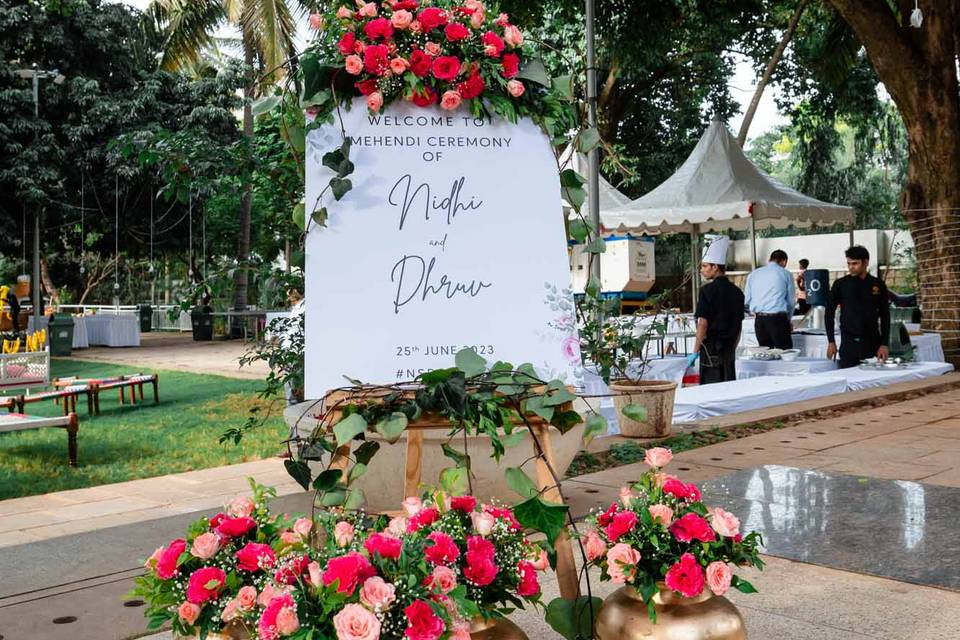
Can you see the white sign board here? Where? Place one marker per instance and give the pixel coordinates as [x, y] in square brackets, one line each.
[452, 237]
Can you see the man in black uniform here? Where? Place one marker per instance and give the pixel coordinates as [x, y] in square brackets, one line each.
[863, 302]
[719, 316]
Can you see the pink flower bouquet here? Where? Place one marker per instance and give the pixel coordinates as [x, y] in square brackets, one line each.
[660, 532]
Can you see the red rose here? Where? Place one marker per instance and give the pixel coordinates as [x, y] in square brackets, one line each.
[622, 523]
[686, 577]
[406, 5]
[385, 546]
[376, 59]
[423, 518]
[431, 18]
[480, 569]
[678, 489]
[205, 584]
[481, 547]
[529, 586]
[692, 527]
[511, 65]
[502, 513]
[347, 42]
[445, 68]
[255, 556]
[456, 32]
[492, 44]
[236, 527]
[420, 63]
[366, 87]
[216, 520]
[379, 28]
[424, 97]
[463, 503]
[607, 516]
[422, 622]
[348, 571]
[291, 570]
[471, 87]
[443, 550]
[167, 563]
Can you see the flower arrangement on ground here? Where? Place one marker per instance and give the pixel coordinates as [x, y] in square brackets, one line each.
[661, 533]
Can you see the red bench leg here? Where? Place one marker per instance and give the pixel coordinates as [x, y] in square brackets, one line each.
[72, 429]
[156, 392]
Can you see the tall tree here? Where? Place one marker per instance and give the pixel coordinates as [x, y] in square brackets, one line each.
[918, 67]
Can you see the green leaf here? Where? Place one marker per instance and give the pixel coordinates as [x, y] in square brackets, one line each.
[265, 104]
[299, 471]
[589, 138]
[340, 187]
[579, 230]
[461, 459]
[565, 420]
[392, 427]
[334, 498]
[570, 178]
[596, 426]
[327, 480]
[635, 412]
[454, 480]
[345, 169]
[299, 216]
[534, 71]
[558, 395]
[573, 619]
[575, 196]
[536, 406]
[597, 245]
[348, 428]
[593, 286]
[333, 159]
[469, 362]
[539, 515]
[563, 85]
[355, 499]
[436, 376]
[366, 451]
[520, 482]
[356, 471]
[515, 438]
[742, 585]
[320, 216]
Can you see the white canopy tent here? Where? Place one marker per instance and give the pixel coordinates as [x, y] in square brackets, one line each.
[610, 197]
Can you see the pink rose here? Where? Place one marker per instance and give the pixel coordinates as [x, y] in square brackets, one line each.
[205, 584]
[398, 526]
[347, 571]
[354, 65]
[492, 44]
[442, 578]
[205, 546]
[354, 622]
[450, 100]
[626, 495]
[719, 576]
[529, 586]
[303, 526]
[377, 594]
[483, 523]
[594, 545]
[570, 347]
[255, 556]
[188, 612]
[412, 505]
[230, 611]
[236, 527]
[378, 29]
[398, 65]
[476, 20]
[382, 545]
[241, 507]
[343, 533]
[344, 13]
[622, 562]
[443, 550]
[375, 101]
[681, 491]
[542, 562]
[658, 457]
[290, 537]
[281, 611]
[692, 527]
[515, 88]
[167, 562]
[368, 10]
[401, 19]
[422, 622]
[152, 561]
[724, 522]
[316, 21]
[461, 630]
[686, 577]
[269, 593]
[247, 597]
[512, 36]
[502, 20]
[314, 574]
[663, 513]
[291, 569]
[287, 621]
[432, 49]
[480, 569]
[623, 522]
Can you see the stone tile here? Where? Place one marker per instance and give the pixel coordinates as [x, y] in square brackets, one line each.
[741, 454]
[103, 507]
[29, 520]
[876, 450]
[11, 538]
[941, 458]
[885, 470]
[815, 460]
[33, 503]
[948, 478]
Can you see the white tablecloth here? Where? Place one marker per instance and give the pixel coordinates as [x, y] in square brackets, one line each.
[670, 368]
[857, 378]
[711, 400]
[799, 367]
[927, 346]
[113, 330]
[80, 337]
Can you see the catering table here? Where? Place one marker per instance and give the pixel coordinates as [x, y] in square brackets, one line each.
[747, 368]
[928, 347]
[670, 368]
[113, 329]
[857, 378]
[80, 336]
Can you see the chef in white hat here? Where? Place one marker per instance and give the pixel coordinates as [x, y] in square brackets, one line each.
[719, 315]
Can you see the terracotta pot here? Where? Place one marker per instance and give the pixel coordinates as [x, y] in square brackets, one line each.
[495, 629]
[656, 396]
[232, 631]
[623, 616]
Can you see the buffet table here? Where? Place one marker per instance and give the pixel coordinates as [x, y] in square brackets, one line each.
[927, 346]
[857, 378]
[80, 336]
[113, 330]
[748, 368]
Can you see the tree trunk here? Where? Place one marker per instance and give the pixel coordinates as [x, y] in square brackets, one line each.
[48, 283]
[240, 277]
[918, 68]
[768, 72]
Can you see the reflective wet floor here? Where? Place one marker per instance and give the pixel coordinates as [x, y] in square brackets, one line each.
[892, 528]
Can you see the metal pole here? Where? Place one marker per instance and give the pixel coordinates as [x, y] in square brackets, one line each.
[695, 263]
[36, 220]
[593, 159]
[753, 244]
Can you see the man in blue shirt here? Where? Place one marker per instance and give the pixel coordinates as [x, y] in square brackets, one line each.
[770, 294]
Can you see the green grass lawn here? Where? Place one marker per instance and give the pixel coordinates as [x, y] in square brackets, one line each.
[124, 443]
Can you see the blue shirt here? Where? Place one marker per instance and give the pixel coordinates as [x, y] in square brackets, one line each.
[770, 289]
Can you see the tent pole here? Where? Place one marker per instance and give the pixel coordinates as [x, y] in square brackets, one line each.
[593, 157]
[753, 244]
[695, 263]
[850, 231]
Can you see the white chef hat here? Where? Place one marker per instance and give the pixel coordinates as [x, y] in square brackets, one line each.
[716, 252]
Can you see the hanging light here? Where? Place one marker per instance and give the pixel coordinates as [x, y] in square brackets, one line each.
[916, 16]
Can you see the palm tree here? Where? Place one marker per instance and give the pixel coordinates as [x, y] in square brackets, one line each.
[267, 29]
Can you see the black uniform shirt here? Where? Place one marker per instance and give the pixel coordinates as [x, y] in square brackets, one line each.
[863, 303]
[721, 305]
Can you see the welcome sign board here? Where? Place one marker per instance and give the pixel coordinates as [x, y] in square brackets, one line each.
[451, 237]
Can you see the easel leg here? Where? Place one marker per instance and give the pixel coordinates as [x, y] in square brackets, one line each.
[413, 471]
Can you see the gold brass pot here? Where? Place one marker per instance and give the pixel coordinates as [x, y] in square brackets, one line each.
[623, 616]
[233, 631]
[495, 629]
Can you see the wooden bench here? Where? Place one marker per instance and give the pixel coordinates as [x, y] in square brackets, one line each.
[67, 394]
[134, 383]
[10, 422]
[9, 403]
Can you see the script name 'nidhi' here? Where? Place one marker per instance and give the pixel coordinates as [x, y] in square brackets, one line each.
[450, 204]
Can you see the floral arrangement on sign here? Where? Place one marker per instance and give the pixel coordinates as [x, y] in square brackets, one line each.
[661, 533]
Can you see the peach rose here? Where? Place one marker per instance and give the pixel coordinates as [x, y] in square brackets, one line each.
[230, 611]
[303, 526]
[375, 101]
[432, 49]
[594, 545]
[188, 612]
[369, 10]
[618, 556]
[724, 522]
[354, 65]
[290, 537]
[626, 495]
[316, 21]
[314, 574]
[541, 562]
[343, 533]
[515, 88]
[661, 512]
[443, 578]
[483, 523]
[152, 561]
[247, 597]
[412, 506]
[658, 457]
[512, 36]
[502, 20]
[205, 546]
[401, 19]
[415, 26]
[719, 576]
[241, 507]
[450, 100]
[344, 13]
[397, 526]
[354, 622]
[476, 20]
[398, 65]
[461, 630]
[377, 593]
[661, 478]
[287, 621]
[269, 593]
